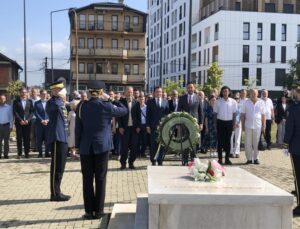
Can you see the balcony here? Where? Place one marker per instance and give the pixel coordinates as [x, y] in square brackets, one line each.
[111, 78]
[136, 78]
[110, 53]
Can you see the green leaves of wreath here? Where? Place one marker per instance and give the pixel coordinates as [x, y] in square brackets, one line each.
[184, 125]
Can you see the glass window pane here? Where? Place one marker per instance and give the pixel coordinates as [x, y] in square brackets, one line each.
[99, 43]
[135, 69]
[127, 69]
[100, 22]
[81, 21]
[90, 43]
[114, 25]
[91, 22]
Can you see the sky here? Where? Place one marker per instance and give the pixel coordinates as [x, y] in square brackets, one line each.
[38, 32]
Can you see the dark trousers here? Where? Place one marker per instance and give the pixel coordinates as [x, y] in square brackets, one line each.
[129, 141]
[203, 132]
[41, 133]
[143, 141]
[154, 147]
[94, 166]
[23, 137]
[4, 136]
[117, 143]
[296, 171]
[59, 152]
[33, 134]
[267, 134]
[224, 131]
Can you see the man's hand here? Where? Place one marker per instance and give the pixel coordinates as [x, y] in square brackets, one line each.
[22, 123]
[121, 130]
[263, 129]
[26, 122]
[148, 130]
[138, 130]
[200, 127]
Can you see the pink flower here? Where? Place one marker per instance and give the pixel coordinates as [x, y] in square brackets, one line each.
[216, 166]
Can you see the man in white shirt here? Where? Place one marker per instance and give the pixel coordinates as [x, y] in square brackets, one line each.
[269, 119]
[225, 109]
[253, 122]
[142, 131]
[173, 103]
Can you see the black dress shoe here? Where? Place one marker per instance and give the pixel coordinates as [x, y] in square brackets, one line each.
[256, 162]
[60, 197]
[261, 148]
[40, 155]
[237, 156]
[203, 151]
[269, 147]
[159, 163]
[220, 161]
[99, 215]
[6, 157]
[26, 155]
[232, 156]
[131, 166]
[294, 193]
[123, 167]
[88, 216]
[248, 162]
[296, 211]
[47, 155]
[153, 163]
[228, 162]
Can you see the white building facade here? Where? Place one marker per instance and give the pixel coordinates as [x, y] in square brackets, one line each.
[247, 46]
[168, 41]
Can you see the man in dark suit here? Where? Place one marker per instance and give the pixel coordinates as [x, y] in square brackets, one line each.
[42, 121]
[156, 109]
[173, 103]
[191, 104]
[128, 126]
[23, 112]
[94, 141]
[57, 139]
[292, 143]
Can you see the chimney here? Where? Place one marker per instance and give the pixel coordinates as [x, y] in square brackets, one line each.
[121, 2]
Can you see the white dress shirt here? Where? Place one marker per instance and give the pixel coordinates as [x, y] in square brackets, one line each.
[268, 107]
[190, 97]
[175, 104]
[23, 101]
[143, 114]
[44, 102]
[129, 113]
[225, 109]
[253, 113]
[158, 101]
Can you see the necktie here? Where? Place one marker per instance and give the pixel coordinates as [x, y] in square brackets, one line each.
[190, 99]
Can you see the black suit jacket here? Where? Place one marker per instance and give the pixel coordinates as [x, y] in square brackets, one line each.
[280, 113]
[155, 113]
[135, 115]
[194, 109]
[21, 114]
[172, 106]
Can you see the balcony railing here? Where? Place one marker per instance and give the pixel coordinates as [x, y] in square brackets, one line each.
[109, 52]
[111, 78]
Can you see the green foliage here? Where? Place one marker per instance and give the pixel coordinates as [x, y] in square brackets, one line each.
[14, 87]
[250, 83]
[293, 74]
[174, 85]
[214, 79]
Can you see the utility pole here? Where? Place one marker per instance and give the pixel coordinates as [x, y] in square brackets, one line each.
[25, 51]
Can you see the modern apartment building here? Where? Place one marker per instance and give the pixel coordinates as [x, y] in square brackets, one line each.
[108, 43]
[169, 29]
[251, 40]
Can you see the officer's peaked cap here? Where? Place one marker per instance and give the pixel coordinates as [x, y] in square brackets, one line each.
[96, 85]
[58, 84]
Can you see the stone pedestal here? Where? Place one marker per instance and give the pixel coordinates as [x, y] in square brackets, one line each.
[238, 200]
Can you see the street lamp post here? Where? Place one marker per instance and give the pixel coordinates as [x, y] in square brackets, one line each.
[76, 38]
[25, 45]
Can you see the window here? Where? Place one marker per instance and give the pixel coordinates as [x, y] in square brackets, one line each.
[114, 43]
[270, 7]
[91, 22]
[184, 63]
[273, 32]
[81, 21]
[204, 57]
[288, 8]
[100, 22]
[135, 44]
[238, 6]
[135, 20]
[283, 54]
[99, 43]
[245, 53]
[114, 68]
[283, 32]
[127, 22]
[81, 43]
[199, 59]
[272, 54]
[207, 35]
[200, 36]
[208, 56]
[258, 77]
[99, 68]
[90, 68]
[245, 76]
[216, 31]
[298, 34]
[298, 54]
[259, 54]
[180, 12]
[81, 68]
[259, 31]
[114, 23]
[246, 31]
[279, 77]
[90, 43]
[127, 69]
[135, 69]
[127, 44]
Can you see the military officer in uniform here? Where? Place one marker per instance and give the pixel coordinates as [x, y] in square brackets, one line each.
[292, 143]
[94, 141]
[57, 139]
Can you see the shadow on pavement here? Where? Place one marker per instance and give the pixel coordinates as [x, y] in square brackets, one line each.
[25, 201]
[48, 171]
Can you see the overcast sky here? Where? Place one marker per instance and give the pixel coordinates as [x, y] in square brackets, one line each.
[38, 32]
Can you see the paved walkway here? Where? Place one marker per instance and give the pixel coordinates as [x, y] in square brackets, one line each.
[24, 189]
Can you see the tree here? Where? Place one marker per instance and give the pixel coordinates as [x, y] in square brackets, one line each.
[214, 79]
[250, 83]
[14, 87]
[174, 85]
[294, 72]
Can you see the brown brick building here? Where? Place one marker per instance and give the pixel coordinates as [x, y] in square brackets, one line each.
[110, 45]
[9, 71]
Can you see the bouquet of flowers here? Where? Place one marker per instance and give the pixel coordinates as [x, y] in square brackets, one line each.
[206, 171]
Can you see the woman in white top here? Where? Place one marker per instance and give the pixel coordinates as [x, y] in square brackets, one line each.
[71, 121]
